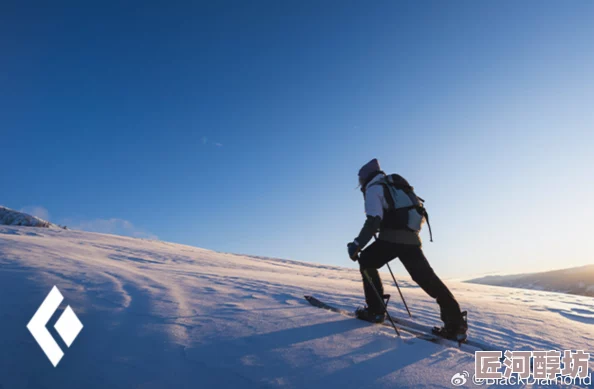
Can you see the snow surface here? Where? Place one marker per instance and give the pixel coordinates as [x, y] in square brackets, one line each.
[163, 315]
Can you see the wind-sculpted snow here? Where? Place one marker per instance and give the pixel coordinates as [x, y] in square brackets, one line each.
[163, 315]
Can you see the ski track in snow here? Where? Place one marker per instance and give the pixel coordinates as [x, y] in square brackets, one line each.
[163, 315]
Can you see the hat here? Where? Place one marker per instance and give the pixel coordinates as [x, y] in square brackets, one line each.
[368, 169]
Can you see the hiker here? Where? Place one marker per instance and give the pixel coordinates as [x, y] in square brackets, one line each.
[393, 208]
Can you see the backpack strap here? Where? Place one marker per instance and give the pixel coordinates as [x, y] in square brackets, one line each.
[424, 210]
[388, 195]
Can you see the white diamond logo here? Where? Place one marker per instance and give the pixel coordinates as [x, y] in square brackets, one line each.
[68, 326]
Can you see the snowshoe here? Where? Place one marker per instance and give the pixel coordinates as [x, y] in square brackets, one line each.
[364, 313]
[454, 332]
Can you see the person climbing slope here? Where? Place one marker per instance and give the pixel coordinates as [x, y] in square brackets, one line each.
[393, 209]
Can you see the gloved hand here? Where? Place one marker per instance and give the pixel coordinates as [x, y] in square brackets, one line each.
[354, 249]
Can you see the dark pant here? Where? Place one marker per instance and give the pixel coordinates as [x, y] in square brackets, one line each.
[381, 252]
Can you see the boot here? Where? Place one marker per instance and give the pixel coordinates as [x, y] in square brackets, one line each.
[454, 330]
[364, 313]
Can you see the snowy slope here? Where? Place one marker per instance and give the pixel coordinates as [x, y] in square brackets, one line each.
[577, 280]
[10, 217]
[162, 315]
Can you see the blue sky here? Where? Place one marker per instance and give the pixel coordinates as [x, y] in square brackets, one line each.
[240, 126]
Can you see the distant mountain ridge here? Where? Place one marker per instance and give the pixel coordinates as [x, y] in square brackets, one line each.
[10, 217]
[577, 280]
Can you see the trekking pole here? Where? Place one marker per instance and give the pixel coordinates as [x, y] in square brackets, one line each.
[401, 295]
[396, 283]
[382, 300]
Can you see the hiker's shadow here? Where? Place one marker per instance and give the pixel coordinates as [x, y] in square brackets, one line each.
[315, 355]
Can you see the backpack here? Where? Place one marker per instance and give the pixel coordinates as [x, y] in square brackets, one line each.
[406, 209]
